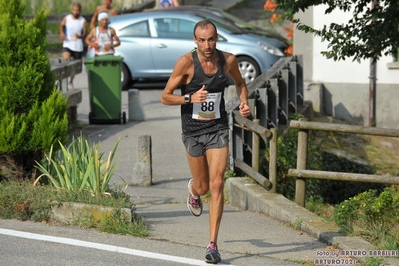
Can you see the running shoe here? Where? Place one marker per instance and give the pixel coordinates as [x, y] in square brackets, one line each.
[194, 204]
[212, 254]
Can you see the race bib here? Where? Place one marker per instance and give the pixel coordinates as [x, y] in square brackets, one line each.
[208, 110]
[72, 37]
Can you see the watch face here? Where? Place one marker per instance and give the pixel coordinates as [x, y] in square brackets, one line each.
[187, 98]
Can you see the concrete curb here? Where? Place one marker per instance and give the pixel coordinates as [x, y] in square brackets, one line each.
[71, 212]
[246, 194]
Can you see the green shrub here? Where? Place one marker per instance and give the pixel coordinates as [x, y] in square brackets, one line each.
[229, 173]
[33, 115]
[79, 166]
[371, 215]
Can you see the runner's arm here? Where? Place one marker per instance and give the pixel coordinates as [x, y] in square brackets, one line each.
[178, 75]
[241, 86]
[117, 41]
[61, 29]
[84, 33]
[89, 38]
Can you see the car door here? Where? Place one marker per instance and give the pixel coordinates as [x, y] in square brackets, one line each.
[136, 50]
[174, 38]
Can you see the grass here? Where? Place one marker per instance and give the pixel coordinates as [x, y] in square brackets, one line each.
[321, 209]
[23, 201]
[61, 7]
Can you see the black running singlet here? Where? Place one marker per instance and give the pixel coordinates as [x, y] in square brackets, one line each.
[210, 116]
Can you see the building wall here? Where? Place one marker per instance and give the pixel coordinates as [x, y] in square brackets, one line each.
[341, 88]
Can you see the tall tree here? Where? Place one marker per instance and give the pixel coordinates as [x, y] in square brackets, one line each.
[33, 115]
[372, 31]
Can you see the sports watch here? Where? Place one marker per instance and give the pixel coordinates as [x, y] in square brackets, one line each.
[187, 98]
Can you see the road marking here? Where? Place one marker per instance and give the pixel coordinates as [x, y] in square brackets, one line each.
[111, 248]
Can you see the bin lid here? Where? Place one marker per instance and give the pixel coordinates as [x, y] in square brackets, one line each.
[104, 58]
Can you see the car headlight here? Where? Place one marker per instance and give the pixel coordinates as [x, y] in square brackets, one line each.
[270, 49]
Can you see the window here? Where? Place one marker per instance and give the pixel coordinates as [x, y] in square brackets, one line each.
[174, 28]
[162, 27]
[139, 29]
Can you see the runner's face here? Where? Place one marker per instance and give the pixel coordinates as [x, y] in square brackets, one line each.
[107, 3]
[104, 22]
[75, 11]
[206, 39]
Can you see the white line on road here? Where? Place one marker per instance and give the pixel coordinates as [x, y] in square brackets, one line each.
[111, 248]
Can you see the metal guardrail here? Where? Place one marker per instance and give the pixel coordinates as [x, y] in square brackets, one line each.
[273, 97]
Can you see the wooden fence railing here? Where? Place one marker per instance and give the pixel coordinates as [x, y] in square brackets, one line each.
[63, 69]
[268, 137]
[302, 174]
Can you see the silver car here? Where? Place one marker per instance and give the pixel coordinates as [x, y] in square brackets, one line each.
[152, 41]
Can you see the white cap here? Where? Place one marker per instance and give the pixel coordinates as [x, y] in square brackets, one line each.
[102, 15]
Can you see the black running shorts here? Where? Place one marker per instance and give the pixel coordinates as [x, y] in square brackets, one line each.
[197, 145]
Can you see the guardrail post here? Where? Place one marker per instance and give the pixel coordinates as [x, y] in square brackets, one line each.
[255, 148]
[300, 187]
[273, 160]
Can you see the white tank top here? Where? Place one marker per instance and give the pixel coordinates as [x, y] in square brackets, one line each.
[73, 26]
[103, 38]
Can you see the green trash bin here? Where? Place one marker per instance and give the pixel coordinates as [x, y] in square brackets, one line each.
[105, 89]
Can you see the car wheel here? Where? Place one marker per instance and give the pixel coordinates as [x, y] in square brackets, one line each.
[248, 67]
[126, 78]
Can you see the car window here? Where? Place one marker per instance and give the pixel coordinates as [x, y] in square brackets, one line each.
[221, 38]
[174, 28]
[139, 29]
[162, 26]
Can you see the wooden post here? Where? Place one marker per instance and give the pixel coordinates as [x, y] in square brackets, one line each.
[300, 187]
[255, 148]
[273, 160]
